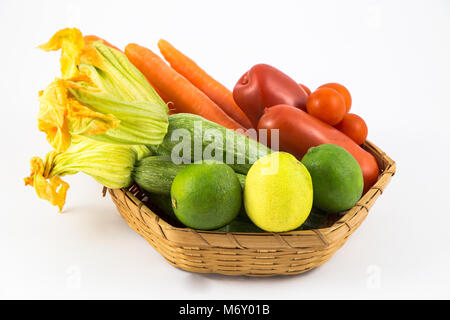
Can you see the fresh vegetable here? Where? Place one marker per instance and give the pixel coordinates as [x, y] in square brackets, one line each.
[177, 89]
[101, 95]
[342, 90]
[155, 174]
[299, 131]
[354, 127]
[278, 193]
[264, 86]
[108, 117]
[336, 177]
[109, 164]
[308, 92]
[206, 195]
[192, 138]
[203, 81]
[327, 105]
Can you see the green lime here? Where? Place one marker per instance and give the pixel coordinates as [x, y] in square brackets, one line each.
[206, 195]
[336, 176]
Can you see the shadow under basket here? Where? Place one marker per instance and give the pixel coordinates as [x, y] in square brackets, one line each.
[251, 254]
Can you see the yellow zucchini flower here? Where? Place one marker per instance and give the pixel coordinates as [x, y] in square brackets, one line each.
[100, 95]
[109, 164]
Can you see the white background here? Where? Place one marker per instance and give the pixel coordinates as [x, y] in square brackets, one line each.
[393, 56]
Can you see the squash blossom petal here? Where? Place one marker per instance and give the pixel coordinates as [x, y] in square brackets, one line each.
[61, 116]
[71, 43]
[100, 95]
[109, 164]
[53, 190]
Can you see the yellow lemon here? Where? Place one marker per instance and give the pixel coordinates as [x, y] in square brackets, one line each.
[278, 193]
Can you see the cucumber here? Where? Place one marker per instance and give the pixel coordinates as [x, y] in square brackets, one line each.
[191, 138]
[155, 174]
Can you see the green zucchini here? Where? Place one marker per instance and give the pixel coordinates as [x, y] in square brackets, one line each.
[191, 138]
[155, 174]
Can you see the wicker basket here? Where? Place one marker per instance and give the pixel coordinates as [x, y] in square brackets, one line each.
[251, 254]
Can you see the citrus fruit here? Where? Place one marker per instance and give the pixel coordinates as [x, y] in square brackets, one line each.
[278, 192]
[336, 176]
[206, 195]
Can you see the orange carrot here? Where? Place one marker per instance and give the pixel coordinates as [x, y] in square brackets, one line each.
[203, 81]
[177, 89]
[92, 38]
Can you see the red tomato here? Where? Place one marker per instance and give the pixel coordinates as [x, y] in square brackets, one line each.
[354, 127]
[305, 88]
[264, 86]
[327, 105]
[343, 91]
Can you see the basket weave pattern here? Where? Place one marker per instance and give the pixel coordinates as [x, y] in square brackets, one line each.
[251, 254]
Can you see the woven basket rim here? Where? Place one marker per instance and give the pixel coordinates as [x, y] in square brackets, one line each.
[387, 167]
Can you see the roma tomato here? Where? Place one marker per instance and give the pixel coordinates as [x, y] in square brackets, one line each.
[342, 90]
[354, 127]
[327, 105]
[299, 131]
[264, 86]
